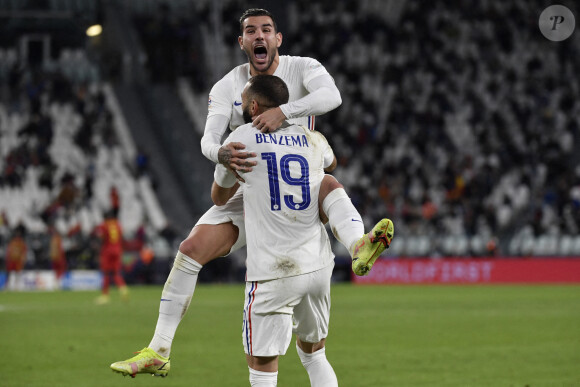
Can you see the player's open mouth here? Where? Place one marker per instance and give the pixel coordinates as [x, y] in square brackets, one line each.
[260, 53]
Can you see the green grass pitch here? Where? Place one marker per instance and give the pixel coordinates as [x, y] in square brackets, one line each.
[379, 336]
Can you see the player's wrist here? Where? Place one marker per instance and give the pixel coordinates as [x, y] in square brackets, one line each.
[285, 111]
[212, 152]
[223, 177]
[224, 156]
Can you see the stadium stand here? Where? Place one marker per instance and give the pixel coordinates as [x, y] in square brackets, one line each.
[61, 157]
[461, 123]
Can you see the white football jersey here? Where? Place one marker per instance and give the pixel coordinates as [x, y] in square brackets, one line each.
[284, 234]
[225, 98]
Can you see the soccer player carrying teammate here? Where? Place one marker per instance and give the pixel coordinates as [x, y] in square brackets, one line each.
[111, 236]
[221, 230]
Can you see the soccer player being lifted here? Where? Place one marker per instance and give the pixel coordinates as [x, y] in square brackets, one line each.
[290, 262]
[221, 230]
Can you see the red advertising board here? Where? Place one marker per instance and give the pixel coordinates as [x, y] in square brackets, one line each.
[472, 271]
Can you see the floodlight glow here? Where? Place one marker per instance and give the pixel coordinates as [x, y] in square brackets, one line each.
[94, 30]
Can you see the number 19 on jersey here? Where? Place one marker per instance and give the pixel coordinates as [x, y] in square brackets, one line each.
[303, 181]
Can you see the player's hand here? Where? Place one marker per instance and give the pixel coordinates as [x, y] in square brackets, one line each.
[234, 158]
[270, 120]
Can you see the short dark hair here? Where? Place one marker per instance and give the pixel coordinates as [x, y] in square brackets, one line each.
[256, 12]
[270, 90]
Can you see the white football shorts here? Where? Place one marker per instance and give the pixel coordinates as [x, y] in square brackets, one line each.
[232, 211]
[275, 309]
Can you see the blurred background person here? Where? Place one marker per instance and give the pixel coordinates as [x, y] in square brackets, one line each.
[56, 252]
[111, 236]
[16, 258]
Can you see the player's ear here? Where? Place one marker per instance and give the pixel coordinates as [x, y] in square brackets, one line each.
[254, 106]
[241, 42]
[278, 39]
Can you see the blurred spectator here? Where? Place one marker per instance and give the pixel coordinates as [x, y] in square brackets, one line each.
[115, 201]
[16, 253]
[142, 163]
[111, 236]
[35, 87]
[56, 252]
[491, 247]
[457, 118]
[475, 105]
[145, 266]
[69, 193]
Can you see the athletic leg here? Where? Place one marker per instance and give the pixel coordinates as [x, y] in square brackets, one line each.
[106, 282]
[311, 320]
[120, 282]
[263, 371]
[205, 243]
[344, 219]
[266, 331]
[209, 241]
[313, 358]
[348, 228]
[219, 232]
[104, 298]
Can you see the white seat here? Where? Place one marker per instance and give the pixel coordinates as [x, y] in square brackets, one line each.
[418, 246]
[575, 251]
[527, 245]
[410, 245]
[565, 245]
[461, 246]
[477, 246]
[448, 245]
[545, 246]
[515, 246]
[425, 246]
[397, 246]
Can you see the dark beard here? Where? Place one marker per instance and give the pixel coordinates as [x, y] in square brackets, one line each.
[250, 60]
[247, 116]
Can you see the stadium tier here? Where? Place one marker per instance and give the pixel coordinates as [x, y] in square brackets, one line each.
[460, 123]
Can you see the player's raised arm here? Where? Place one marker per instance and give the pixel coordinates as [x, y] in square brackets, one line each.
[231, 156]
[323, 97]
[226, 179]
[215, 127]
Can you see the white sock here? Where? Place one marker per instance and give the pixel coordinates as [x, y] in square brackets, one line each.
[19, 281]
[175, 299]
[11, 281]
[263, 379]
[319, 369]
[345, 221]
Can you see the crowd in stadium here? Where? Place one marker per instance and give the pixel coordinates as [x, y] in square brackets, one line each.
[62, 165]
[456, 120]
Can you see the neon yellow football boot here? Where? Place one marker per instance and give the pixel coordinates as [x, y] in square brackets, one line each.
[124, 291]
[370, 246]
[147, 361]
[103, 299]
